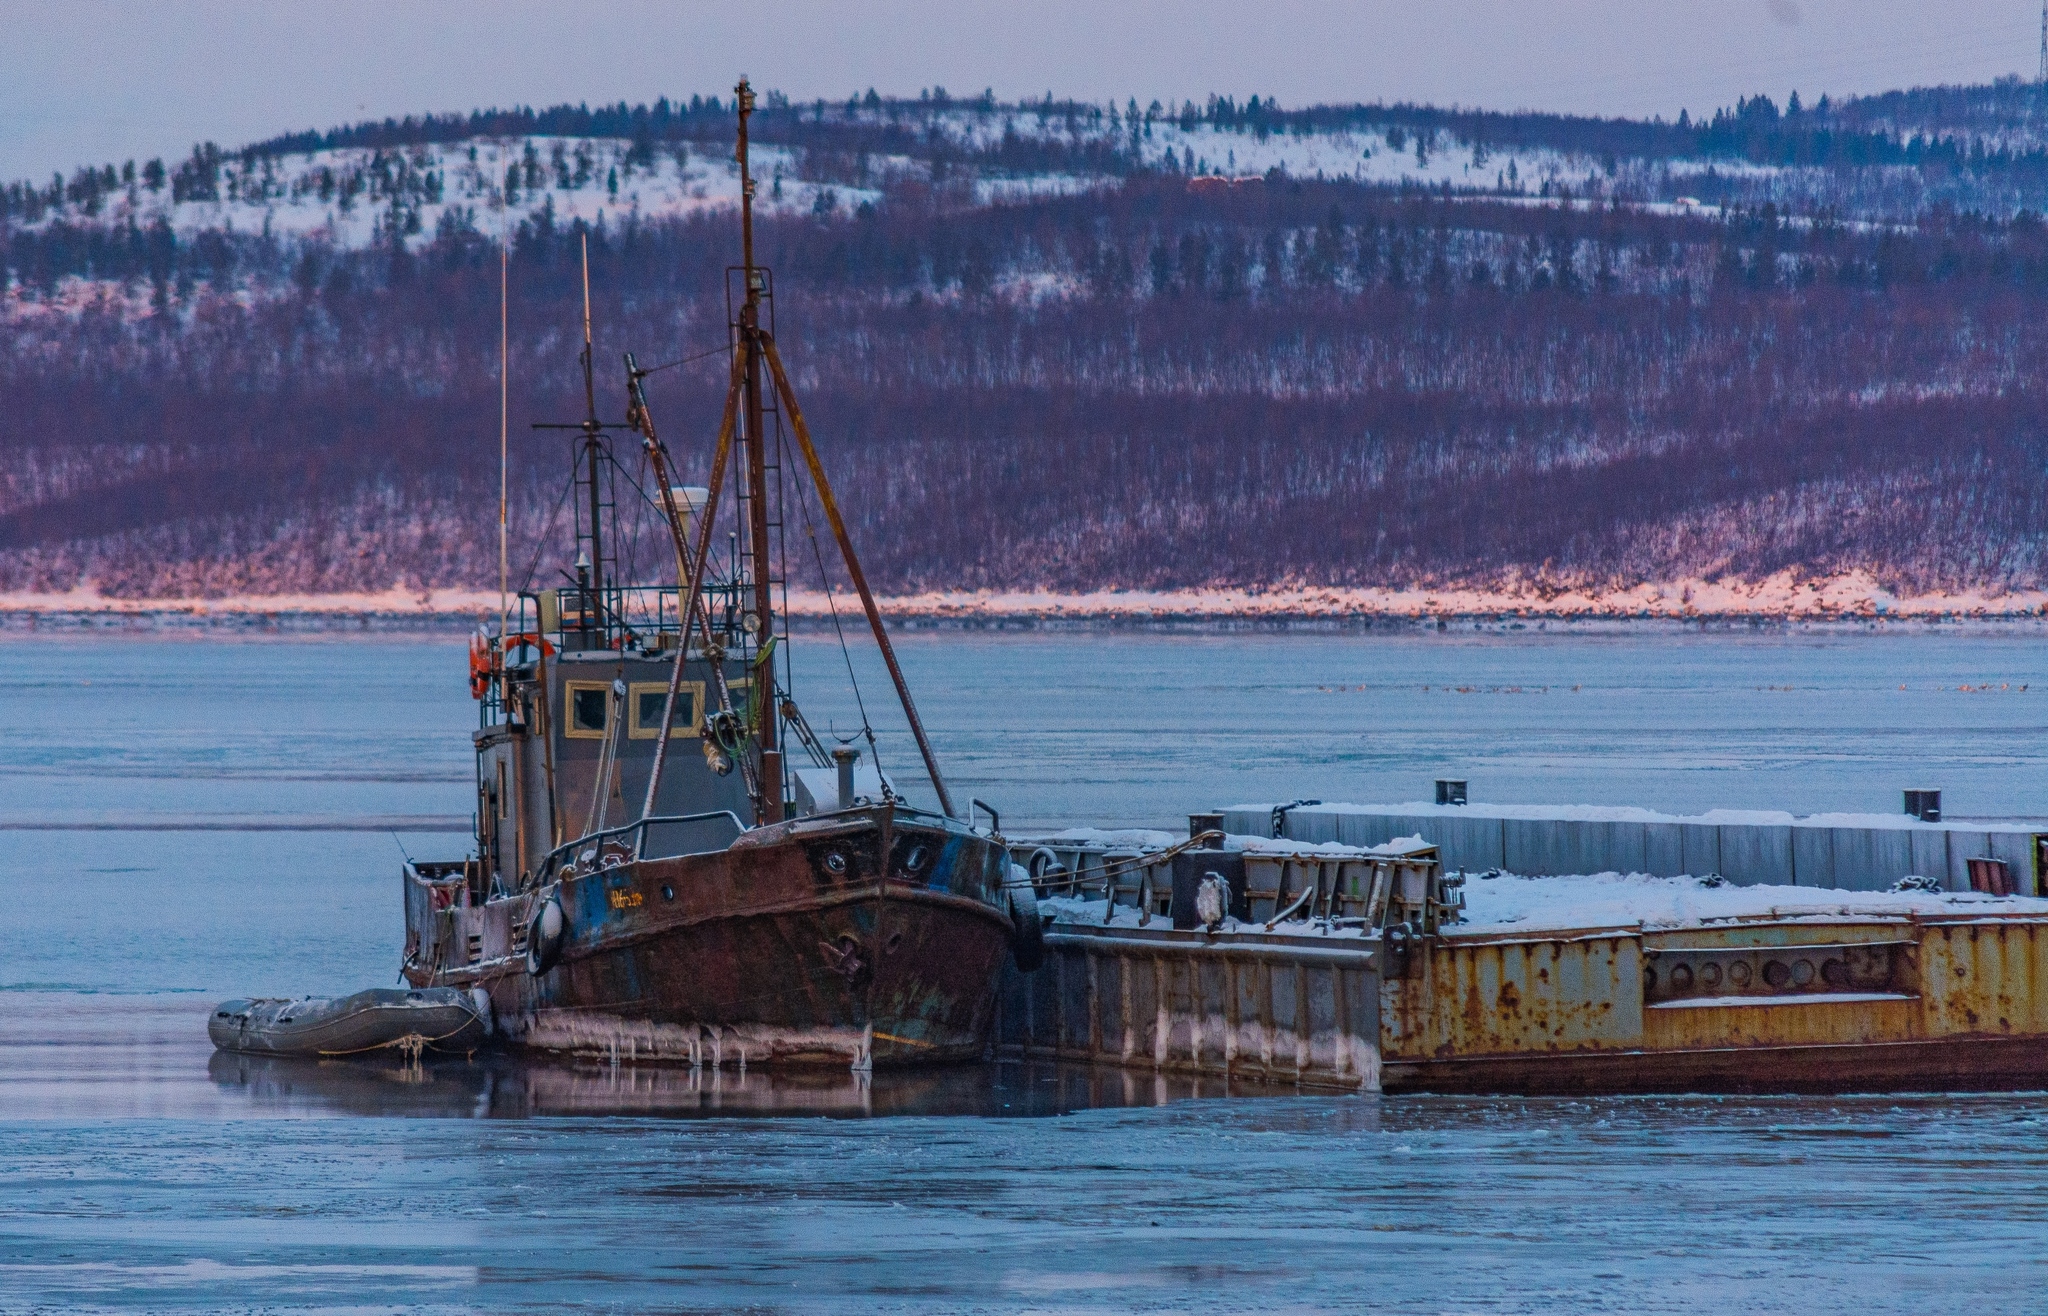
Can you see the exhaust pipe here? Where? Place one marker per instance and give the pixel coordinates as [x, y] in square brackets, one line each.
[845, 756]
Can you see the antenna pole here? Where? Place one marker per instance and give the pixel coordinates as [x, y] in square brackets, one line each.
[591, 453]
[744, 100]
[2042, 77]
[589, 386]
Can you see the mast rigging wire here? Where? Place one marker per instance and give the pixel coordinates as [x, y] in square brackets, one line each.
[541, 542]
[683, 361]
[803, 507]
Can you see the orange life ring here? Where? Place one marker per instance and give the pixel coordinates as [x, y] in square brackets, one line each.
[511, 642]
[480, 664]
[483, 656]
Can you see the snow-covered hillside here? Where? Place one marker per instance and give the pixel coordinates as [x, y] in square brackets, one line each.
[1887, 159]
[353, 196]
[1058, 348]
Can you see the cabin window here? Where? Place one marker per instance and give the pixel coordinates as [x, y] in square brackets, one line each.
[589, 709]
[646, 699]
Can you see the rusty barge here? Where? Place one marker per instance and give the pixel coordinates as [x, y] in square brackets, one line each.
[653, 877]
[1369, 968]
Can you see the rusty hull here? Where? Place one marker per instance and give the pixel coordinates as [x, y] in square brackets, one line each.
[869, 936]
[1765, 1006]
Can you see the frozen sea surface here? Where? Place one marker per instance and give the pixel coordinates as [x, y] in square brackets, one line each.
[190, 820]
[1297, 1203]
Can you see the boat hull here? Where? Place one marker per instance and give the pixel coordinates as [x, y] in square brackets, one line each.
[856, 939]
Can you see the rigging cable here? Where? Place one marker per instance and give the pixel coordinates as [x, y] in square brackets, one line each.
[645, 497]
[725, 350]
[626, 538]
[541, 543]
[803, 505]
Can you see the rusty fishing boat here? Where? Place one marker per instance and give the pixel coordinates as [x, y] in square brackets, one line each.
[653, 877]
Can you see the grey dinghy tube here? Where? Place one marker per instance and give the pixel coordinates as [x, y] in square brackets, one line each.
[444, 1019]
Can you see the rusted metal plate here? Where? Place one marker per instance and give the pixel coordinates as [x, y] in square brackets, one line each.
[1763, 1020]
[1780, 985]
[1983, 977]
[1765, 1006]
[1483, 996]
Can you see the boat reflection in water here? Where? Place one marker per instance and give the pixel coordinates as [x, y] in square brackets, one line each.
[502, 1086]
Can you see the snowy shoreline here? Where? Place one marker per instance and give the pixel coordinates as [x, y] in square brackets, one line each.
[1851, 596]
[1854, 597]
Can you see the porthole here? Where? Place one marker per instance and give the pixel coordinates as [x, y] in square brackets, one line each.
[1681, 979]
[1835, 973]
[1738, 974]
[668, 893]
[1649, 979]
[1710, 976]
[1802, 972]
[914, 861]
[1777, 973]
[835, 863]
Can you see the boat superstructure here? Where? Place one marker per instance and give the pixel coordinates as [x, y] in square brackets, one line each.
[669, 863]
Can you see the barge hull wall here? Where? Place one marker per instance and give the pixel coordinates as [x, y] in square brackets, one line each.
[1181, 1003]
[1944, 1003]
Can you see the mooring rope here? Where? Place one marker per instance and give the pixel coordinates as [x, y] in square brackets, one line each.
[412, 1043]
[1119, 867]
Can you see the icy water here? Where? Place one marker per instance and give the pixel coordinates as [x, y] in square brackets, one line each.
[191, 819]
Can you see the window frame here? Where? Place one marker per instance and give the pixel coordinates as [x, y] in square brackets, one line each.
[570, 689]
[637, 731]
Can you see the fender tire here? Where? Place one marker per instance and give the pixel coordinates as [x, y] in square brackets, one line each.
[545, 935]
[1027, 932]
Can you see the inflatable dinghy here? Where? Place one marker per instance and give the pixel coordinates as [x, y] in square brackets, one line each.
[444, 1019]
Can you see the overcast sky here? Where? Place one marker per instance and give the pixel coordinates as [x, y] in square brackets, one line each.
[107, 80]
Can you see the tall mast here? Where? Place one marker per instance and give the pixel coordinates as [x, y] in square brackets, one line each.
[767, 723]
[596, 616]
[592, 454]
[504, 437]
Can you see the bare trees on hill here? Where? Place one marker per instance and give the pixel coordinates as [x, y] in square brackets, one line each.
[1157, 384]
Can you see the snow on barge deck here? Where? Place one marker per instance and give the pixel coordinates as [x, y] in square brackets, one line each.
[1368, 967]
